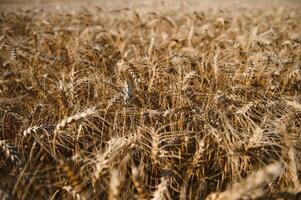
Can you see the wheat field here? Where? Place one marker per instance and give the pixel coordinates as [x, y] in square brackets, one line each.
[158, 103]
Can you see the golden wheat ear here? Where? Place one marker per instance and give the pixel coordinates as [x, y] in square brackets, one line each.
[9, 152]
[4, 195]
[71, 119]
[76, 186]
[137, 180]
[125, 94]
[134, 76]
[162, 190]
[196, 159]
[116, 149]
[115, 184]
[38, 129]
[252, 186]
[73, 193]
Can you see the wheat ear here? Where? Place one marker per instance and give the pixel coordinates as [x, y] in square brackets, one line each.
[294, 104]
[125, 94]
[197, 157]
[4, 195]
[65, 122]
[9, 153]
[36, 129]
[251, 184]
[114, 185]
[116, 147]
[162, 190]
[73, 193]
[138, 184]
[187, 79]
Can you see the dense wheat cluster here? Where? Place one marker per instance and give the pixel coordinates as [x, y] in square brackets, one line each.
[133, 104]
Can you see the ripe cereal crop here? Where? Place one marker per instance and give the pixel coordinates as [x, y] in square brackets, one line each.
[150, 102]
